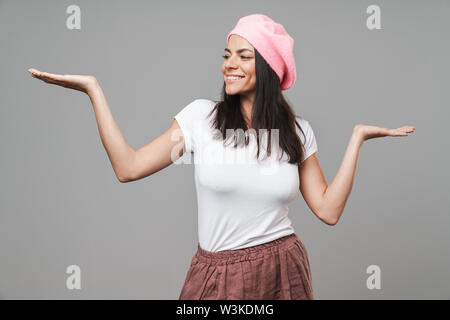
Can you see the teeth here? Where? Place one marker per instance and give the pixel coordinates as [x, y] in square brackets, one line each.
[234, 78]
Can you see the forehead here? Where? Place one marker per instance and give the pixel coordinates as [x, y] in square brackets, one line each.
[237, 42]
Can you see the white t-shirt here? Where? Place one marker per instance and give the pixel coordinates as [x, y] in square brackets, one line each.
[242, 202]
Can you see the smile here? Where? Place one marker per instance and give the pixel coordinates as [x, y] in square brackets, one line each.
[232, 79]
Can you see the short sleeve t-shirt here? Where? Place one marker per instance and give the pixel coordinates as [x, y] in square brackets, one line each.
[242, 201]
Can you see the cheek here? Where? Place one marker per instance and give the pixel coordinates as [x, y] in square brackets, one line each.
[222, 67]
[251, 72]
[252, 78]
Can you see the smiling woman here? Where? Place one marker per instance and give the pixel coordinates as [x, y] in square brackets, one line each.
[247, 246]
[246, 238]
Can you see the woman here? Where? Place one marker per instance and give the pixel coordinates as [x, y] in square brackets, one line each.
[247, 246]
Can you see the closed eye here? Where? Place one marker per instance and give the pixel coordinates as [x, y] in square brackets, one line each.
[226, 57]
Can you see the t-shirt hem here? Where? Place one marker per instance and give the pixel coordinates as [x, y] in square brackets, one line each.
[255, 243]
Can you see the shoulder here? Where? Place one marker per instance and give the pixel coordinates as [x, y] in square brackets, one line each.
[205, 101]
[204, 107]
[205, 104]
[200, 106]
[306, 133]
[304, 124]
[197, 108]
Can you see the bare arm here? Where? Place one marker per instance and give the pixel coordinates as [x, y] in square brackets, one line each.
[338, 191]
[128, 164]
[328, 201]
[120, 153]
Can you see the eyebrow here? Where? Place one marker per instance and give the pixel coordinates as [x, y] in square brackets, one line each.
[240, 50]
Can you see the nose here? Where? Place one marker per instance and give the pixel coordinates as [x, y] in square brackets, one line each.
[230, 63]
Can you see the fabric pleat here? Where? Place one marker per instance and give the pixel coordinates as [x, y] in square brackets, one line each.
[276, 270]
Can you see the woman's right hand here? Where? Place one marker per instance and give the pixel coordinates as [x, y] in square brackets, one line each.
[72, 81]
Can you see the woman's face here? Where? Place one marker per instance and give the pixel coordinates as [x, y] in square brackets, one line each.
[239, 59]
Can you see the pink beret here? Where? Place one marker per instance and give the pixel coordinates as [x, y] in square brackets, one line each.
[273, 43]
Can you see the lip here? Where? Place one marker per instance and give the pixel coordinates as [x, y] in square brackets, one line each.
[233, 81]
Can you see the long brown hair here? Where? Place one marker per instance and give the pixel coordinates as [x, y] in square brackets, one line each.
[270, 111]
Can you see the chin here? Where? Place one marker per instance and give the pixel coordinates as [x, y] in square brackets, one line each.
[232, 91]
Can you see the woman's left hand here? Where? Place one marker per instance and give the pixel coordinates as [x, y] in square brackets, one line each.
[369, 132]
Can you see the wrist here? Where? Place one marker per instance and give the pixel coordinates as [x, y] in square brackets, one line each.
[358, 137]
[358, 134]
[92, 86]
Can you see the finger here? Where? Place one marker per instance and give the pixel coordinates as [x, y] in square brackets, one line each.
[51, 79]
[36, 73]
[46, 75]
[33, 71]
[52, 76]
[397, 132]
[48, 80]
[408, 129]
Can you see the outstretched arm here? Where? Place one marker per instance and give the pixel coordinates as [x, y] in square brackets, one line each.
[327, 202]
[128, 164]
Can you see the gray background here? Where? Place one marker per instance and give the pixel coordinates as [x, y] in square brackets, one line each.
[61, 203]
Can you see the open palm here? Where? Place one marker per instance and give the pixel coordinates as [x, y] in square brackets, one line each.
[369, 132]
[72, 81]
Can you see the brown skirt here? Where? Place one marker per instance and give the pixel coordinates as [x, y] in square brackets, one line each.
[276, 270]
